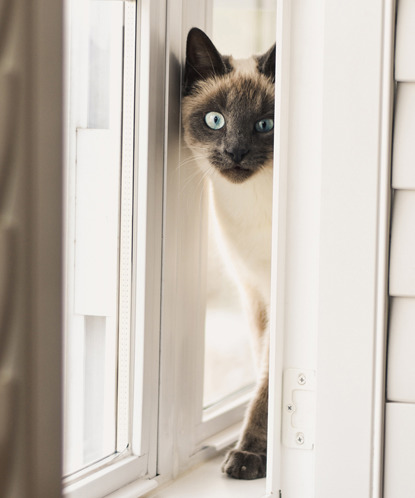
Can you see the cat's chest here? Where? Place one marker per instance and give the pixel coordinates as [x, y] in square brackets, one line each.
[244, 215]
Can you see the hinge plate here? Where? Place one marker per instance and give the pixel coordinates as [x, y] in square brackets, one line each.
[299, 409]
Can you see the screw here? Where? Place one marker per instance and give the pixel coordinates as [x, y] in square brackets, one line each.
[299, 438]
[291, 408]
[302, 379]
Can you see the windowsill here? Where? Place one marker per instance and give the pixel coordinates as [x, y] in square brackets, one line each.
[207, 481]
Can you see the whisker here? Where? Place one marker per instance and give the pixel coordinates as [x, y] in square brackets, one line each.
[195, 147]
[202, 181]
[195, 174]
[189, 160]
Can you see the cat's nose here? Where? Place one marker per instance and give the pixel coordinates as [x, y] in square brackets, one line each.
[237, 154]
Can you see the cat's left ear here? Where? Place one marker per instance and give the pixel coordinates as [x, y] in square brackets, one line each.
[266, 63]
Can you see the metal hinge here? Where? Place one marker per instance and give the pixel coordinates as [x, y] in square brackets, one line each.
[299, 409]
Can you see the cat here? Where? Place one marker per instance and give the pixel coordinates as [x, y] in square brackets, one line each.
[228, 118]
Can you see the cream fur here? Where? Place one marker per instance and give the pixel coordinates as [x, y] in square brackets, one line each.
[243, 213]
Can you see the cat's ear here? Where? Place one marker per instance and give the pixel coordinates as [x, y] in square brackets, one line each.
[266, 63]
[202, 59]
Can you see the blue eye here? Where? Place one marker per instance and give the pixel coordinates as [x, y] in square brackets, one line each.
[264, 125]
[214, 120]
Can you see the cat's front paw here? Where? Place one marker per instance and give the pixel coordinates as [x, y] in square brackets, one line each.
[245, 465]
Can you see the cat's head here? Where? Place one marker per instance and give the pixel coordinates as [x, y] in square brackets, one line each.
[228, 108]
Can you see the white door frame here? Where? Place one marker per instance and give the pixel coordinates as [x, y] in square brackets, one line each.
[331, 225]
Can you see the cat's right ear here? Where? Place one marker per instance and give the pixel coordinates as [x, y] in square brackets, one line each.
[266, 63]
[202, 59]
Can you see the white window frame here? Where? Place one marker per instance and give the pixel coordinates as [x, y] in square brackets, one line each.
[130, 467]
[91, 147]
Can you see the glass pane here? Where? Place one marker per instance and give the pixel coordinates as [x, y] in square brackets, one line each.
[240, 28]
[243, 27]
[229, 363]
[95, 34]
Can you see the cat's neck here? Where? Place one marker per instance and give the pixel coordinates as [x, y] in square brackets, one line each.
[245, 203]
[243, 216]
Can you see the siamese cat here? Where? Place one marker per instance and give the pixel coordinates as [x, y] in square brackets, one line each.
[228, 120]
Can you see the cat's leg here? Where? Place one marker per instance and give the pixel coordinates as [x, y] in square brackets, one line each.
[249, 458]
[257, 314]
